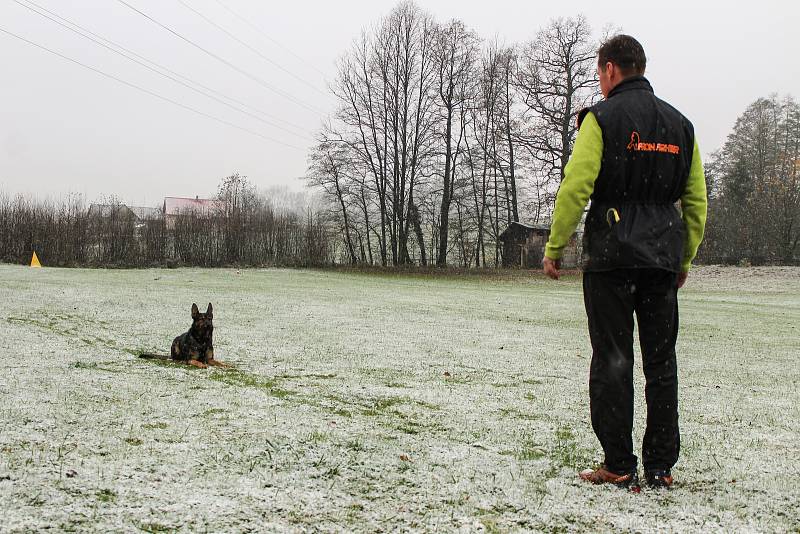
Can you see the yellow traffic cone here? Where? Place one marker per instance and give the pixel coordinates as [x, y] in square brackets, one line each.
[35, 260]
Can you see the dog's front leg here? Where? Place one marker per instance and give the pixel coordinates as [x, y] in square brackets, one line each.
[211, 361]
[197, 363]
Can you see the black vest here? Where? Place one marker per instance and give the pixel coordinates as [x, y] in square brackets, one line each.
[647, 155]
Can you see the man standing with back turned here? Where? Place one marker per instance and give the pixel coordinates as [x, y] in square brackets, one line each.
[636, 157]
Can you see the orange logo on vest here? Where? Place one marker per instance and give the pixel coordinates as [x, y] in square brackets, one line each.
[638, 146]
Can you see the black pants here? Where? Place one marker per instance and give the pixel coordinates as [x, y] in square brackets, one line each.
[611, 299]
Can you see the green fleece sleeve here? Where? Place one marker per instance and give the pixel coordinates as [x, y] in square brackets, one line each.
[576, 188]
[694, 205]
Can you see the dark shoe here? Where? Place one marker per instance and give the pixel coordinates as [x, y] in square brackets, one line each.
[601, 475]
[658, 478]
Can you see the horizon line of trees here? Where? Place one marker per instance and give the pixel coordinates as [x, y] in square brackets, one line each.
[439, 141]
[753, 184]
[249, 229]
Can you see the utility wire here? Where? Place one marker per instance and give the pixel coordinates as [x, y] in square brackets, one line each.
[225, 61]
[145, 65]
[147, 91]
[254, 50]
[267, 36]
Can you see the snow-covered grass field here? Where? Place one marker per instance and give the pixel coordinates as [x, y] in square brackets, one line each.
[377, 403]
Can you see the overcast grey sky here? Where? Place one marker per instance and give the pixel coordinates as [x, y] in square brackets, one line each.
[64, 128]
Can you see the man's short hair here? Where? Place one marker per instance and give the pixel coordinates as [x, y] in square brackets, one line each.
[625, 52]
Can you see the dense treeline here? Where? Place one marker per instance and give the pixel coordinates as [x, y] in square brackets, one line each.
[441, 140]
[754, 188]
[248, 230]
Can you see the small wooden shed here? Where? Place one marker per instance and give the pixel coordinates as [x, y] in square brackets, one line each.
[523, 246]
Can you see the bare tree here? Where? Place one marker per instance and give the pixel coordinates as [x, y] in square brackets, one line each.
[555, 78]
[454, 50]
[328, 170]
[436, 126]
[238, 204]
[754, 213]
[383, 120]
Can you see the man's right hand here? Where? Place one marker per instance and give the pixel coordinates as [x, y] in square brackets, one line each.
[551, 267]
[682, 279]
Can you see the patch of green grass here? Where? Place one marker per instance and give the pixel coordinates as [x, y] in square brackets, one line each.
[428, 405]
[26, 321]
[410, 427]
[386, 406]
[385, 374]
[382, 406]
[529, 449]
[133, 441]
[311, 375]
[36, 500]
[457, 379]
[238, 378]
[388, 402]
[354, 511]
[213, 411]
[297, 517]
[567, 452]
[317, 437]
[281, 393]
[517, 414]
[152, 426]
[155, 527]
[331, 472]
[106, 495]
[67, 325]
[355, 445]
[531, 381]
[235, 377]
[490, 525]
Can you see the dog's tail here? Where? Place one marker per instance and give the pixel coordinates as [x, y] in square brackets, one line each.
[154, 356]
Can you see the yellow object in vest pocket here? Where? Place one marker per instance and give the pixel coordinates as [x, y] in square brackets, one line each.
[612, 216]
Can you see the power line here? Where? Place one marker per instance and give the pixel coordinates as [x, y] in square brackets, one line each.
[124, 54]
[159, 66]
[267, 36]
[225, 61]
[147, 91]
[254, 50]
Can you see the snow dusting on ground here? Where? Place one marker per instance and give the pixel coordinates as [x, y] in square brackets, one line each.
[377, 403]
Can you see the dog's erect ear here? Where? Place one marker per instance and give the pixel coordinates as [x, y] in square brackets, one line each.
[195, 311]
[209, 311]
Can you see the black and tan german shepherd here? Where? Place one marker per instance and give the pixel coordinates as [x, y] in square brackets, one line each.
[194, 347]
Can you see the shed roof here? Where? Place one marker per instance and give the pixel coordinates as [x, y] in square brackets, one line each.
[518, 227]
